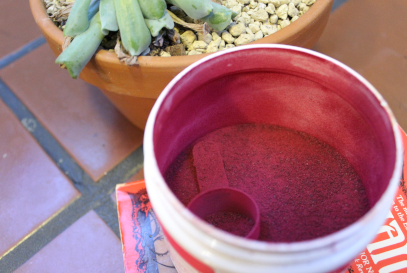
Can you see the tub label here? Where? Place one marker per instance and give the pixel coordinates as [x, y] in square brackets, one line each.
[181, 265]
[388, 252]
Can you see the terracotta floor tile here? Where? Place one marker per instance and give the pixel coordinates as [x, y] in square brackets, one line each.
[17, 26]
[70, 251]
[370, 36]
[76, 113]
[32, 188]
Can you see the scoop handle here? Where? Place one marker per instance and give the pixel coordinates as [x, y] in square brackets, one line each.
[208, 162]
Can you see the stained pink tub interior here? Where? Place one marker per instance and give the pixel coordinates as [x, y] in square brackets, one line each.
[283, 87]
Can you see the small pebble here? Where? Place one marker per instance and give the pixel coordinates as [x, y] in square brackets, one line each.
[243, 20]
[260, 15]
[165, 54]
[253, 4]
[51, 9]
[230, 3]
[246, 18]
[292, 10]
[188, 38]
[244, 39]
[237, 9]
[271, 9]
[296, 2]
[206, 38]
[258, 35]
[268, 29]
[236, 29]
[248, 31]
[284, 23]
[213, 46]
[194, 52]
[273, 19]
[227, 37]
[199, 45]
[301, 6]
[254, 27]
[215, 36]
[294, 18]
[261, 6]
[176, 50]
[222, 45]
[276, 3]
[282, 12]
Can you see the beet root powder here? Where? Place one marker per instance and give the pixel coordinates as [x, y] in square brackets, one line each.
[304, 188]
[234, 223]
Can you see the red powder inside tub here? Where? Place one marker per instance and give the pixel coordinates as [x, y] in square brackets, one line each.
[235, 223]
[304, 188]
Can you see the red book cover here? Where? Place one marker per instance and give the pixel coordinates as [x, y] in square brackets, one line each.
[143, 244]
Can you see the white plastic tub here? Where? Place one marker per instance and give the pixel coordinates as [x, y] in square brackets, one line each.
[334, 104]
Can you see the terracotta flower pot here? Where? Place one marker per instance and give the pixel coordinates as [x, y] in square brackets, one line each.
[133, 90]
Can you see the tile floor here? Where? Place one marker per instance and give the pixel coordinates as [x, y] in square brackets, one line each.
[64, 147]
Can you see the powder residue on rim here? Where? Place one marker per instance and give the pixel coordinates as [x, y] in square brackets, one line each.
[304, 188]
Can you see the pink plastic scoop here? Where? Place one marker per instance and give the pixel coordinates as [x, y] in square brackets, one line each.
[227, 200]
[215, 194]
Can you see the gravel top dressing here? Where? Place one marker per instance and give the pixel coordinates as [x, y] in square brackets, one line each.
[254, 20]
[305, 189]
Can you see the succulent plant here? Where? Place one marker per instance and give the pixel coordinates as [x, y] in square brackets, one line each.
[89, 21]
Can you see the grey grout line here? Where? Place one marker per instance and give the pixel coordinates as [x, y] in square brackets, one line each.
[81, 180]
[108, 212]
[95, 195]
[120, 174]
[123, 171]
[34, 243]
[27, 48]
[50, 145]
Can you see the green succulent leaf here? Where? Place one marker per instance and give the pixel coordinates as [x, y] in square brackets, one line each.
[108, 16]
[80, 51]
[219, 18]
[196, 9]
[153, 9]
[78, 20]
[134, 32]
[156, 25]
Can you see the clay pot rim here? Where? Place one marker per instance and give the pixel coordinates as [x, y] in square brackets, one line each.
[47, 26]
